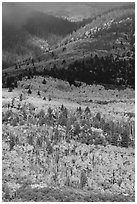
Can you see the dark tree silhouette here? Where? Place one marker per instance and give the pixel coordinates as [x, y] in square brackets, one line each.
[44, 81]
[29, 91]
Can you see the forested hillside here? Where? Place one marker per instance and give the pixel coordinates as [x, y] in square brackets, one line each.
[18, 40]
[40, 31]
[100, 52]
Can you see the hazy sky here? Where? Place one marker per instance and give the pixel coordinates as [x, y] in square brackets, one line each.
[19, 11]
[46, 6]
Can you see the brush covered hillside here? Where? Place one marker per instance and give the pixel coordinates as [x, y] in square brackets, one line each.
[66, 143]
[100, 52]
[68, 112]
[30, 29]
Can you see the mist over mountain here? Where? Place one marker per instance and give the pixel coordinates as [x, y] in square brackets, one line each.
[21, 25]
[28, 29]
[18, 12]
[15, 13]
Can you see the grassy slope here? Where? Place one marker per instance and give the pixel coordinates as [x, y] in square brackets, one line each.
[115, 103]
[67, 194]
[58, 88]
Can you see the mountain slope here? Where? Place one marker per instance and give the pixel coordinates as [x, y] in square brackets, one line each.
[100, 52]
[18, 40]
[99, 23]
[29, 30]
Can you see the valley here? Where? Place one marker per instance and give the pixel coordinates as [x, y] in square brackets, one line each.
[68, 102]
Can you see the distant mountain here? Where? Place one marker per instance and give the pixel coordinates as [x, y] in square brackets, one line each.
[30, 29]
[75, 11]
[43, 25]
[18, 40]
[102, 51]
[100, 23]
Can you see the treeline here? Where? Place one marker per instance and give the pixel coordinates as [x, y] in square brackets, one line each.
[103, 70]
[94, 69]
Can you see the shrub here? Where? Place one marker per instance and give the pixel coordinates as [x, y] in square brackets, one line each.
[10, 81]
[62, 119]
[38, 93]
[10, 89]
[49, 111]
[44, 81]
[7, 115]
[30, 139]
[76, 129]
[49, 98]
[12, 142]
[83, 179]
[21, 97]
[87, 110]
[114, 139]
[62, 86]
[14, 121]
[125, 139]
[29, 91]
[41, 114]
[6, 195]
[79, 110]
[98, 116]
